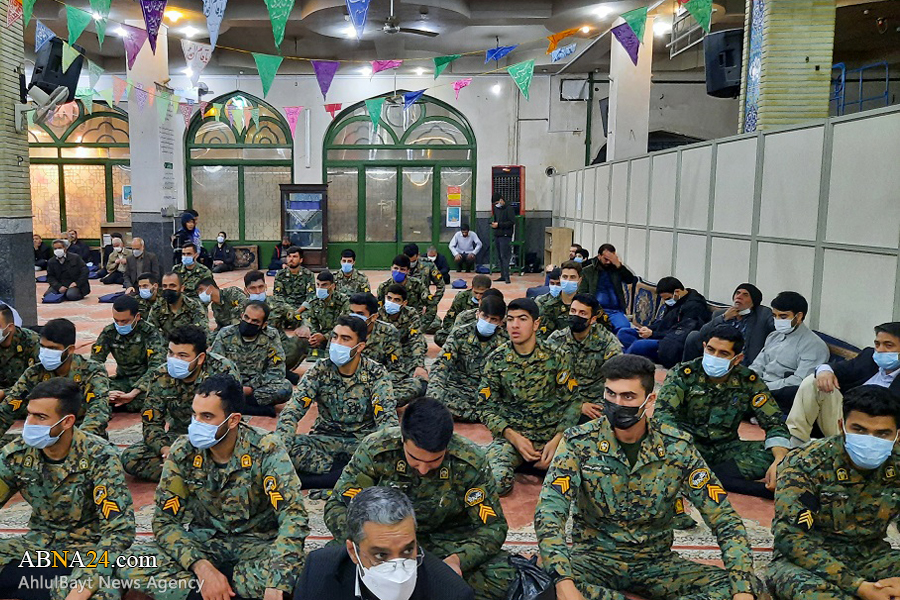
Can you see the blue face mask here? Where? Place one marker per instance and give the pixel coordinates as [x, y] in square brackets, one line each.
[177, 368]
[867, 451]
[578, 259]
[260, 297]
[398, 276]
[322, 293]
[146, 294]
[124, 329]
[204, 297]
[362, 318]
[887, 360]
[716, 366]
[51, 359]
[555, 290]
[671, 302]
[474, 300]
[38, 436]
[391, 308]
[346, 267]
[568, 287]
[339, 355]
[187, 260]
[203, 435]
[484, 328]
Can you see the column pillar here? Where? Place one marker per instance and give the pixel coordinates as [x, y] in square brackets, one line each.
[629, 99]
[17, 286]
[787, 62]
[152, 146]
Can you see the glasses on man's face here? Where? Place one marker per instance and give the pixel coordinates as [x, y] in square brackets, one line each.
[420, 556]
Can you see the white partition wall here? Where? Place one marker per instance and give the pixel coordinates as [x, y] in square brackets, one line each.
[813, 208]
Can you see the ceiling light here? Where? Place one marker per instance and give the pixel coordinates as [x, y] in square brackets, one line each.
[173, 15]
[97, 16]
[497, 88]
[366, 71]
[661, 28]
[420, 71]
[187, 71]
[349, 31]
[602, 11]
[120, 31]
[189, 31]
[585, 29]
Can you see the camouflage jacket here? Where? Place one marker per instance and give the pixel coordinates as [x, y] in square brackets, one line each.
[426, 272]
[321, 315]
[413, 346]
[22, 353]
[712, 412]
[166, 320]
[260, 361]
[230, 307]
[531, 394]
[355, 283]
[457, 500]
[470, 315]
[350, 407]
[588, 357]
[191, 278]
[383, 345]
[555, 315]
[256, 493]
[417, 297]
[295, 288]
[824, 506]
[91, 378]
[627, 511]
[461, 361]
[464, 300]
[145, 307]
[140, 351]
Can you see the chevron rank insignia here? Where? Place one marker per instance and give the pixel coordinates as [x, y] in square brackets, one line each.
[485, 512]
[571, 384]
[15, 403]
[759, 400]
[246, 461]
[275, 497]
[173, 505]
[562, 484]
[448, 355]
[350, 493]
[148, 414]
[306, 400]
[376, 407]
[394, 358]
[486, 392]
[276, 359]
[99, 494]
[716, 492]
[98, 348]
[474, 496]
[109, 508]
[149, 352]
[198, 461]
[89, 396]
[413, 331]
[806, 520]
[698, 478]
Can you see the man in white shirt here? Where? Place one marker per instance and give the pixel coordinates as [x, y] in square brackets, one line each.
[465, 246]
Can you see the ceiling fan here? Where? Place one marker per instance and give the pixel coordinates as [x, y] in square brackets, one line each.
[392, 25]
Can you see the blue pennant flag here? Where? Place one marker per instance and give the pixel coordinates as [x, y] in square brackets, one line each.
[409, 98]
[42, 35]
[562, 52]
[358, 10]
[498, 53]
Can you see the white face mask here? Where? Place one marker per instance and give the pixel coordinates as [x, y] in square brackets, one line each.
[391, 580]
[784, 325]
[59, 253]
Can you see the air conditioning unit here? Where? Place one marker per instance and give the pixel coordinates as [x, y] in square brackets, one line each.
[509, 180]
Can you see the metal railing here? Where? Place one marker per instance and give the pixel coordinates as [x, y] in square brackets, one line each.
[838, 96]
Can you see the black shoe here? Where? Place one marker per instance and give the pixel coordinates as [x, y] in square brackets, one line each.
[499, 279]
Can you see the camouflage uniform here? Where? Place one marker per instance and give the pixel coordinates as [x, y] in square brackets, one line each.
[830, 523]
[22, 353]
[295, 288]
[260, 361]
[417, 296]
[457, 507]
[355, 283]
[247, 514]
[191, 278]
[230, 307]
[192, 313]
[712, 412]
[321, 315]
[622, 519]
[466, 317]
[167, 403]
[426, 272]
[458, 369]
[383, 344]
[81, 504]
[349, 409]
[588, 357]
[283, 318]
[90, 377]
[531, 395]
[146, 306]
[555, 315]
[464, 300]
[135, 354]
[413, 349]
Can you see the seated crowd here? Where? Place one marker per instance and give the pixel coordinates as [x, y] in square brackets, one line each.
[565, 383]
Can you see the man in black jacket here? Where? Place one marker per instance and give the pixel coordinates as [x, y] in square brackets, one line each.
[503, 225]
[66, 273]
[820, 398]
[381, 560]
[222, 255]
[42, 253]
[603, 278]
[76, 246]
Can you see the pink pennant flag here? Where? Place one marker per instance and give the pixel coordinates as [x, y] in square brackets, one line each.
[293, 114]
[332, 108]
[384, 65]
[229, 112]
[460, 84]
[140, 95]
[134, 40]
[14, 12]
[186, 109]
[203, 106]
[118, 89]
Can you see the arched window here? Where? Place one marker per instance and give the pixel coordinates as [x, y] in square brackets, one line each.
[80, 170]
[234, 167]
[415, 175]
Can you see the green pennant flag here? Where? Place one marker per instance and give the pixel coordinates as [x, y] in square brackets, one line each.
[30, 115]
[69, 55]
[162, 106]
[78, 19]
[101, 7]
[374, 107]
[27, 8]
[267, 65]
[701, 10]
[637, 20]
[220, 111]
[522, 73]
[94, 73]
[279, 11]
[441, 62]
[107, 95]
[88, 101]
[254, 114]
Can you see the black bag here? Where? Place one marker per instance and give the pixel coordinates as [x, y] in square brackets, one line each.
[530, 581]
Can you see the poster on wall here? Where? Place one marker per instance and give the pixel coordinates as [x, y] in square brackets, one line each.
[454, 206]
[126, 195]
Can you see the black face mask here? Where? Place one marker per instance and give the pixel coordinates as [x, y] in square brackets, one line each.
[171, 296]
[622, 417]
[248, 330]
[578, 324]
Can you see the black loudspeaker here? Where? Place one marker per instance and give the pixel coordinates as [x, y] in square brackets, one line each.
[48, 72]
[723, 51]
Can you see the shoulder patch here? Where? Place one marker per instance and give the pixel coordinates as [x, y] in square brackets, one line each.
[562, 377]
[306, 400]
[474, 496]
[109, 509]
[350, 493]
[485, 392]
[759, 400]
[148, 415]
[698, 478]
[99, 494]
[604, 446]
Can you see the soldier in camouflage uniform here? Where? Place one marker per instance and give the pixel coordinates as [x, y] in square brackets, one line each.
[19, 349]
[191, 271]
[464, 300]
[525, 397]
[590, 345]
[225, 304]
[555, 309]
[294, 284]
[176, 309]
[624, 481]
[148, 294]
[382, 339]
[282, 318]
[354, 398]
[349, 280]
[426, 272]
[835, 499]
[77, 492]
[708, 397]
[417, 295]
[447, 477]
[58, 359]
[457, 371]
[256, 351]
[408, 372]
[228, 499]
[135, 345]
[169, 391]
[321, 312]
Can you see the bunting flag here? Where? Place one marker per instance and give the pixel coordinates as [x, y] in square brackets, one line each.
[267, 65]
[560, 53]
[237, 116]
[701, 10]
[14, 12]
[27, 7]
[637, 20]
[522, 73]
[68, 56]
[77, 19]
[279, 11]
[94, 73]
[162, 106]
[140, 95]
[107, 95]
[229, 112]
[292, 114]
[87, 99]
[203, 106]
[441, 63]
[629, 41]
[119, 89]
[197, 56]
[331, 109]
[134, 40]
[101, 7]
[410, 98]
[383, 65]
[556, 38]
[358, 10]
[460, 84]
[374, 106]
[254, 115]
[214, 11]
[42, 35]
[325, 70]
[186, 109]
[217, 110]
[498, 53]
[153, 15]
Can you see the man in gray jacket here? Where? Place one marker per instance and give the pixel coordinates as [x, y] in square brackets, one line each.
[791, 352]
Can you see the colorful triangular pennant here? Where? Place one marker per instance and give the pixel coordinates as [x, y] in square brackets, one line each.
[441, 63]
[267, 65]
[254, 115]
[409, 98]
[14, 12]
[162, 106]
[556, 38]
[637, 20]
[374, 106]
[701, 10]
[134, 40]
[562, 52]
[383, 65]
[94, 73]
[77, 19]
[27, 8]
[629, 41]
[279, 11]
[69, 54]
[119, 89]
[522, 73]
[498, 53]
[153, 15]
[460, 84]
[185, 109]
[196, 56]
[140, 95]
[292, 113]
[331, 109]
[325, 70]
[107, 95]
[358, 10]
[42, 35]
[100, 7]
[214, 11]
